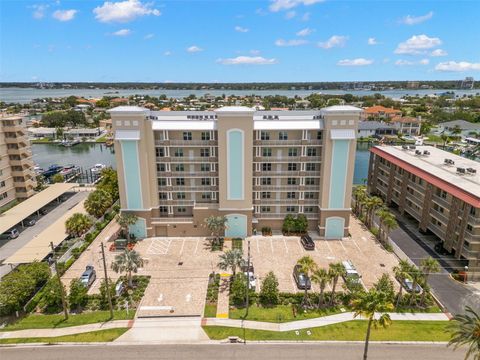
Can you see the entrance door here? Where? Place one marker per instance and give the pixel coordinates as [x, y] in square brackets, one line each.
[236, 226]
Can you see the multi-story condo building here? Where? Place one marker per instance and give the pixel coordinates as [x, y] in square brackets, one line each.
[438, 189]
[176, 168]
[17, 177]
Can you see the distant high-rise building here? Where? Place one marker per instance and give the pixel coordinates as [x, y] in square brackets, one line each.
[468, 83]
[413, 84]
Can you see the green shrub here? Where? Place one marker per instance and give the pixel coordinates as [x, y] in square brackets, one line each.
[51, 300]
[238, 289]
[269, 291]
[266, 230]
[237, 243]
[77, 297]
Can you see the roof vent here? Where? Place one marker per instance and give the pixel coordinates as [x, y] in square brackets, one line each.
[412, 147]
[449, 162]
[471, 171]
[418, 152]
[426, 152]
[405, 147]
[460, 171]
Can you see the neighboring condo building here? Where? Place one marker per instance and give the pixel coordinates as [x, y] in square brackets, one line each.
[17, 177]
[176, 168]
[440, 190]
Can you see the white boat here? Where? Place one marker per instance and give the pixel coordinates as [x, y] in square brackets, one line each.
[97, 168]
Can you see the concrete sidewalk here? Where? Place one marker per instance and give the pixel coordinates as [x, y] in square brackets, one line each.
[223, 301]
[317, 322]
[33, 333]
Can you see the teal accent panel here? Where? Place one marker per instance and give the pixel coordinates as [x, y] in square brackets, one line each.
[338, 178]
[139, 229]
[235, 176]
[131, 170]
[334, 228]
[236, 226]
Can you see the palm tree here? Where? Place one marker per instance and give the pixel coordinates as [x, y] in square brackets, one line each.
[78, 224]
[129, 261]
[98, 202]
[216, 225]
[231, 259]
[388, 222]
[416, 276]
[125, 220]
[321, 277]
[307, 267]
[360, 195]
[465, 329]
[335, 270]
[427, 267]
[367, 305]
[402, 272]
[382, 214]
[372, 204]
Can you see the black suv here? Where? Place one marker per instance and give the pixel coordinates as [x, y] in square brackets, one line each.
[307, 242]
[301, 279]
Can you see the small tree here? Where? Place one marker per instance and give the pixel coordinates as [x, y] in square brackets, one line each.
[231, 259]
[385, 285]
[288, 224]
[52, 296]
[301, 224]
[58, 178]
[307, 267]
[77, 296]
[216, 225]
[465, 330]
[427, 267]
[238, 289]
[125, 220]
[269, 290]
[129, 261]
[104, 305]
[401, 272]
[322, 277]
[109, 182]
[78, 224]
[98, 202]
[336, 270]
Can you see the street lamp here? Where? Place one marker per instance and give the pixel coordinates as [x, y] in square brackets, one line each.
[465, 277]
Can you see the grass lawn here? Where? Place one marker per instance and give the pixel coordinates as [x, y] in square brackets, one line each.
[210, 310]
[101, 139]
[42, 141]
[354, 330]
[94, 336]
[35, 321]
[279, 314]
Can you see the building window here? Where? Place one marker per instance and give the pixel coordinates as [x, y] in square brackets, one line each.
[291, 181]
[163, 209]
[181, 196]
[162, 182]
[309, 195]
[162, 196]
[180, 181]
[311, 167]
[291, 195]
[160, 167]
[160, 152]
[291, 209]
[319, 135]
[292, 167]
[472, 211]
[282, 135]
[178, 152]
[204, 167]
[204, 152]
[206, 196]
[309, 181]
[179, 167]
[205, 135]
[265, 209]
[311, 152]
[266, 194]
[181, 210]
[292, 152]
[266, 152]
[187, 135]
[267, 167]
[206, 181]
[266, 181]
[469, 227]
[264, 135]
[309, 209]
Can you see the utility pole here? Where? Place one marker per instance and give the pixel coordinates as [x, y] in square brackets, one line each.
[62, 289]
[106, 281]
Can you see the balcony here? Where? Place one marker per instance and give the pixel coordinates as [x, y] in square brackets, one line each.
[187, 159]
[16, 140]
[194, 188]
[277, 142]
[14, 128]
[275, 159]
[276, 201]
[177, 202]
[21, 162]
[310, 216]
[276, 187]
[204, 174]
[172, 220]
[277, 173]
[188, 143]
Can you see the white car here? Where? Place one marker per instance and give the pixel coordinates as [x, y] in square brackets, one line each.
[252, 283]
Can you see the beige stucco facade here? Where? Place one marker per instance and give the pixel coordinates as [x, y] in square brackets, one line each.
[254, 167]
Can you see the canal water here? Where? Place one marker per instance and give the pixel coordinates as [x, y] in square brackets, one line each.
[86, 155]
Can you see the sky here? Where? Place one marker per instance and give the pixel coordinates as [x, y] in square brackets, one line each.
[238, 41]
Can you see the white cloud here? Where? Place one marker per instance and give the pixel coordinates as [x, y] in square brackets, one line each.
[39, 11]
[334, 41]
[290, 15]
[247, 60]
[278, 5]
[414, 20]
[123, 11]
[148, 36]
[64, 15]
[306, 16]
[355, 62]
[438, 52]
[241, 29]
[457, 66]
[122, 32]
[254, 52]
[293, 42]
[304, 32]
[194, 49]
[417, 44]
[167, 53]
[402, 62]
[372, 41]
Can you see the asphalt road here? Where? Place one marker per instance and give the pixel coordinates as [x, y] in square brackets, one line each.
[304, 351]
[452, 294]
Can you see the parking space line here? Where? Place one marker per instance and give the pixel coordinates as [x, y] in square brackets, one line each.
[341, 243]
[358, 247]
[271, 245]
[181, 249]
[328, 245]
[258, 247]
[294, 286]
[196, 246]
[285, 243]
[300, 246]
